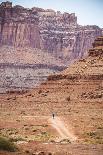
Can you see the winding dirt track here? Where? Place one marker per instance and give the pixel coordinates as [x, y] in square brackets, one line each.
[63, 132]
[61, 128]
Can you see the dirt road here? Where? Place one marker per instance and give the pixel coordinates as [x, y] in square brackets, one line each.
[62, 130]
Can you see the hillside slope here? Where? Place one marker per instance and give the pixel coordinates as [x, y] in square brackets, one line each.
[75, 96]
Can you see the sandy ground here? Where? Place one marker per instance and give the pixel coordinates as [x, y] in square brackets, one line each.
[77, 101]
[62, 130]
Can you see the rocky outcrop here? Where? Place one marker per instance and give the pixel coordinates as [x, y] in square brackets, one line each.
[62, 36]
[97, 49]
[48, 30]
[90, 68]
[98, 42]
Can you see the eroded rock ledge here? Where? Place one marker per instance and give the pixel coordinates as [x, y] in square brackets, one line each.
[90, 68]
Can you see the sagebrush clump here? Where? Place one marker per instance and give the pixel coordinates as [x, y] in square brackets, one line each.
[6, 145]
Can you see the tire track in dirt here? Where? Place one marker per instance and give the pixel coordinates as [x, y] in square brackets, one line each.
[62, 130]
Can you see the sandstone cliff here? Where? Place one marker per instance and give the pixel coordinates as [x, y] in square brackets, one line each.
[35, 43]
[51, 31]
[18, 26]
[88, 68]
[61, 35]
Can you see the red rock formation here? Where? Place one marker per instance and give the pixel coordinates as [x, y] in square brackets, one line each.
[52, 31]
[90, 68]
[98, 42]
[18, 26]
[97, 49]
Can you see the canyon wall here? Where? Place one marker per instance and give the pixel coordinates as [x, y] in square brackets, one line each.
[24, 68]
[35, 43]
[18, 26]
[54, 32]
[61, 35]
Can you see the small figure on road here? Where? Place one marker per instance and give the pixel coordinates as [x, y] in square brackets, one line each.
[53, 115]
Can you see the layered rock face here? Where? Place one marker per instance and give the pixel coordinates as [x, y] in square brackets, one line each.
[62, 36]
[18, 26]
[97, 49]
[57, 32]
[52, 31]
[35, 43]
[22, 64]
[25, 68]
[89, 68]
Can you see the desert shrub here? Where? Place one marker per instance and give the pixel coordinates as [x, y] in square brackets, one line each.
[65, 141]
[34, 130]
[6, 145]
[16, 139]
[68, 98]
[91, 134]
[49, 153]
[40, 91]
[23, 112]
[94, 137]
[42, 153]
[27, 151]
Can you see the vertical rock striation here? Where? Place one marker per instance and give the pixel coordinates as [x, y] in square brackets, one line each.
[18, 26]
[48, 30]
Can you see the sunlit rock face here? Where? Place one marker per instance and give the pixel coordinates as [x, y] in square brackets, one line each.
[55, 32]
[97, 49]
[35, 43]
[18, 26]
[61, 35]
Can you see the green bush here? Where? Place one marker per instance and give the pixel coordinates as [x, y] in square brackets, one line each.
[6, 145]
[16, 139]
